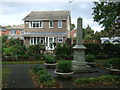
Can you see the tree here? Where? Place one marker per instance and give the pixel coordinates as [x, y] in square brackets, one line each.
[72, 27]
[106, 13]
[88, 33]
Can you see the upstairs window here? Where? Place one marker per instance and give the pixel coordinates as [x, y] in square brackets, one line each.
[59, 23]
[35, 24]
[51, 24]
[13, 32]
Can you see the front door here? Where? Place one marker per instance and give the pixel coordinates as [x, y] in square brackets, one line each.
[50, 43]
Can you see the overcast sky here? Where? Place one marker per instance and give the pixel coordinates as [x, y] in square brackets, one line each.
[12, 13]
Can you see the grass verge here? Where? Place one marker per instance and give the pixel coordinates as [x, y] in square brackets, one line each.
[107, 79]
[22, 62]
[5, 72]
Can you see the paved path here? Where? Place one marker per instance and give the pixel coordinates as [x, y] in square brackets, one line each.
[19, 76]
[68, 83]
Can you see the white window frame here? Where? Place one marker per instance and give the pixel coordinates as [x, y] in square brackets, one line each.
[59, 22]
[11, 33]
[41, 24]
[50, 23]
[36, 40]
[59, 39]
[32, 38]
[31, 23]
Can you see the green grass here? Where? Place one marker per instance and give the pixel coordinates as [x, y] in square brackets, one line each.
[22, 62]
[5, 72]
[98, 80]
[101, 61]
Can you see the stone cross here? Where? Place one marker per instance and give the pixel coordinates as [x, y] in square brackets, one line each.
[79, 31]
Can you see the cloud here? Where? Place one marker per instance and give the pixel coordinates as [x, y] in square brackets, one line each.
[13, 12]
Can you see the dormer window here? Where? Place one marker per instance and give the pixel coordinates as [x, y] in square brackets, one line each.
[59, 23]
[50, 24]
[36, 24]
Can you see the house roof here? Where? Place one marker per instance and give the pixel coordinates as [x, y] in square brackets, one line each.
[47, 15]
[20, 27]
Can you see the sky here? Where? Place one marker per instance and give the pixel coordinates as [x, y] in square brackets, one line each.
[12, 12]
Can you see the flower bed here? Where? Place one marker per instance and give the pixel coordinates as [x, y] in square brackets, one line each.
[42, 79]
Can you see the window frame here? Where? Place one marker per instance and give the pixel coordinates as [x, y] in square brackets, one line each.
[59, 22]
[50, 23]
[36, 24]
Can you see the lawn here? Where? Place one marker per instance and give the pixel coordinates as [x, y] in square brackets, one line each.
[101, 61]
[5, 72]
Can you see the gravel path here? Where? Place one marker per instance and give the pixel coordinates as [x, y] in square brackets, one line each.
[19, 76]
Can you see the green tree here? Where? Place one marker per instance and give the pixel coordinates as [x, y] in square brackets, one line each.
[106, 13]
[88, 33]
[72, 27]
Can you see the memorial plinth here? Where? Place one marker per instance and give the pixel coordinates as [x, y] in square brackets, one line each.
[79, 64]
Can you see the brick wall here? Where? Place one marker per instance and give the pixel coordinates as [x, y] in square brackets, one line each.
[46, 27]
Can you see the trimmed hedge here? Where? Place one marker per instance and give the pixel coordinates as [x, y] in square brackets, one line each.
[100, 51]
[103, 50]
[64, 66]
[115, 62]
[90, 58]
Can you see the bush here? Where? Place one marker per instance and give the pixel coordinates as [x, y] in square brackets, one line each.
[63, 51]
[64, 66]
[115, 62]
[42, 72]
[44, 78]
[101, 56]
[25, 57]
[62, 56]
[50, 59]
[49, 83]
[37, 68]
[110, 50]
[90, 58]
[9, 58]
[37, 56]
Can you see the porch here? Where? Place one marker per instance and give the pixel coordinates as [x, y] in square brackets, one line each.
[47, 41]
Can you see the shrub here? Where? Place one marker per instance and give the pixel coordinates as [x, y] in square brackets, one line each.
[90, 58]
[40, 72]
[25, 57]
[49, 83]
[115, 62]
[64, 66]
[37, 56]
[37, 68]
[63, 51]
[101, 56]
[50, 59]
[44, 78]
